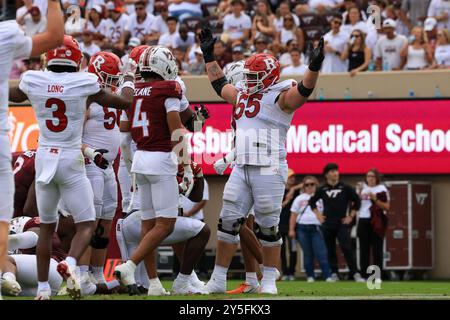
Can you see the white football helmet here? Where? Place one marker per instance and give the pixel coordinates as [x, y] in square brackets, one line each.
[18, 224]
[235, 72]
[160, 60]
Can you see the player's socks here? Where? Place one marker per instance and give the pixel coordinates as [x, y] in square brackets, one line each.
[270, 275]
[219, 274]
[98, 274]
[84, 269]
[71, 261]
[252, 279]
[183, 277]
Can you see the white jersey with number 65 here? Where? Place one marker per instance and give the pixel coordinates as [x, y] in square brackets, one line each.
[59, 101]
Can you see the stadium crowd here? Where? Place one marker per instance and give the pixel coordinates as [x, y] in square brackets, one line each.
[413, 34]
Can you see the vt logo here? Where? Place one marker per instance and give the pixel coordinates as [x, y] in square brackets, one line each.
[420, 197]
[333, 193]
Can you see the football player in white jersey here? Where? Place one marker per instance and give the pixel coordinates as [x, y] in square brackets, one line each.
[15, 45]
[263, 110]
[101, 134]
[60, 97]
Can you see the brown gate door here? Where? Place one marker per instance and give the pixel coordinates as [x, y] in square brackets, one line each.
[422, 236]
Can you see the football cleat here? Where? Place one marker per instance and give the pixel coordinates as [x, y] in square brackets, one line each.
[43, 295]
[214, 286]
[245, 288]
[156, 289]
[125, 274]
[268, 289]
[186, 288]
[72, 277]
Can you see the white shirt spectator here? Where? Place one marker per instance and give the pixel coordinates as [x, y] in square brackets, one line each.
[182, 44]
[90, 50]
[167, 39]
[42, 5]
[366, 203]
[139, 30]
[191, 53]
[294, 70]
[301, 207]
[159, 25]
[389, 51]
[235, 26]
[313, 4]
[285, 59]
[188, 204]
[150, 7]
[101, 28]
[184, 5]
[74, 25]
[286, 35]
[332, 62]
[438, 8]
[348, 28]
[416, 58]
[278, 22]
[32, 28]
[442, 55]
[92, 3]
[114, 29]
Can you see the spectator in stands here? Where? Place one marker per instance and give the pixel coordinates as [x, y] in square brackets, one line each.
[358, 54]
[96, 24]
[292, 190]
[139, 24]
[263, 8]
[285, 59]
[388, 48]
[305, 227]
[416, 10]
[372, 222]
[190, 56]
[262, 26]
[115, 25]
[224, 7]
[33, 21]
[221, 54]
[354, 22]
[23, 10]
[237, 54]
[290, 31]
[133, 43]
[442, 52]
[403, 24]
[184, 39]
[167, 38]
[349, 4]
[92, 3]
[87, 45]
[431, 31]
[321, 6]
[337, 197]
[417, 54]
[130, 5]
[159, 25]
[75, 24]
[198, 66]
[440, 10]
[237, 25]
[335, 41]
[180, 55]
[185, 9]
[283, 10]
[297, 67]
[260, 44]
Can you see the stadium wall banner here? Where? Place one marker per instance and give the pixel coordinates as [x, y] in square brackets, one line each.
[395, 136]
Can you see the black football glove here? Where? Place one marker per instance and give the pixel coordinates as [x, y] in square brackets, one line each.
[207, 42]
[99, 160]
[316, 57]
[202, 113]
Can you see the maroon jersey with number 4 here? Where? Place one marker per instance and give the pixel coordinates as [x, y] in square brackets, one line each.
[148, 115]
[24, 172]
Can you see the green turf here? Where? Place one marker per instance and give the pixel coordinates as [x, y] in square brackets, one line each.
[317, 290]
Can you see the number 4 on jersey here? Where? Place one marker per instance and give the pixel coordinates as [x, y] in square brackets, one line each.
[140, 119]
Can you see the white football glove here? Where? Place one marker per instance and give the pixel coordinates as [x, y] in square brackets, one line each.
[129, 68]
[222, 164]
[188, 181]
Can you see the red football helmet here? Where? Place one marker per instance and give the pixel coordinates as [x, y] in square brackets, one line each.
[68, 54]
[260, 72]
[135, 55]
[106, 66]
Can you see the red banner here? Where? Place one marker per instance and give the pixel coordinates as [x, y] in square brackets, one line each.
[397, 137]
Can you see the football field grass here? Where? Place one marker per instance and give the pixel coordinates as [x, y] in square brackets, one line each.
[438, 290]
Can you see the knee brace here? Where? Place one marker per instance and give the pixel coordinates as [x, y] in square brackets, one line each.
[228, 230]
[269, 237]
[97, 241]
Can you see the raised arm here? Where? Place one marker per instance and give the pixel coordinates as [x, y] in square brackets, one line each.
[54, 35]
[296, 96]
[215, 74]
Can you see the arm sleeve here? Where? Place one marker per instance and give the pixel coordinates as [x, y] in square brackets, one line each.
[25, 240]
[295, 208]
[23, 84]
[172, 104]
[23, 45]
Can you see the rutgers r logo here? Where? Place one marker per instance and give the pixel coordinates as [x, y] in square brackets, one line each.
[421, 197]
[98, 62]
[270, 64]
[333, 193]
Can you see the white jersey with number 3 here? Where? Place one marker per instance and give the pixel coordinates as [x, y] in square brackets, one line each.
[261, 126]
[59, 101]
[101, 130]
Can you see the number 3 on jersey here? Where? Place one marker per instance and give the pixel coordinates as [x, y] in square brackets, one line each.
[59, 114]
[140, 119]
[248, 105]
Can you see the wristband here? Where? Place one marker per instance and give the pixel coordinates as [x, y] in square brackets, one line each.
[305, 92]
[89, 153]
